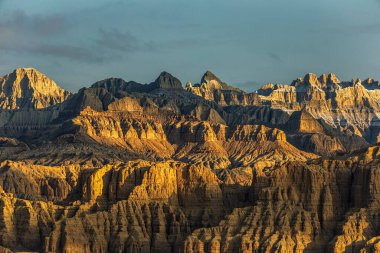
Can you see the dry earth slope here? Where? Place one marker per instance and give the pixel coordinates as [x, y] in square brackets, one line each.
[127, 167]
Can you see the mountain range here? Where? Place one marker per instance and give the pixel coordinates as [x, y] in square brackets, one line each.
[164, 167]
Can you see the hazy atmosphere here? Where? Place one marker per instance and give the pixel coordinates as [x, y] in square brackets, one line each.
[229, 163]
[246, 43]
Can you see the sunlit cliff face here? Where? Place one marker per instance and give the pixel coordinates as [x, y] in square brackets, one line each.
[27, 88]
[127, 167]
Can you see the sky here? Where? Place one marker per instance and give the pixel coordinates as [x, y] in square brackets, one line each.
[246, 43]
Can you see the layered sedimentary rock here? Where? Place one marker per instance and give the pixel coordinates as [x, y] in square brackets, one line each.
[189, 140]
[212, 88]
[27, 88]
[316, 136]
[119, 87]
[138, 206]
[296, 208]
[128, 167]
[150, 207]
[348, 106]
[133, 134]
[37, 181]
[28, 102]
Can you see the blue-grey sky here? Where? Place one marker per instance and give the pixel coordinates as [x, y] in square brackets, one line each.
[244, 42]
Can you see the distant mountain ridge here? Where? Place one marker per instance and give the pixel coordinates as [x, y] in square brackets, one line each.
[353, 105]
[27, 88]
[212, 88]
[342, 111]
[164, 81]
[121, 166]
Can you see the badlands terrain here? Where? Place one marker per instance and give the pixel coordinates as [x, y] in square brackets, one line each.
[121, 166]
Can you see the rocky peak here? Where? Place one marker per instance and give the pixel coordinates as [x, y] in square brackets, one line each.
[357, 81]
[166, 81]
[209, 76]
[27, 88]
[110, 83]
[117, 85]
[210, 79]
[212, 88]
[370, 83]
[311, 79]
[331, 78]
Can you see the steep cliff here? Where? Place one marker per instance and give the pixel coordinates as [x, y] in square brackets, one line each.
[296, 208]
[348, 106]
[212, 88]
[128, 167]
[27, 88]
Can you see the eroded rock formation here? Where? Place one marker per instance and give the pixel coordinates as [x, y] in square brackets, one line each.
[212, 88]
[27, 88]
[128, 167]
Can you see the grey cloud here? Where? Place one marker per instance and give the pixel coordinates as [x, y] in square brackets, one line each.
[275, 57]
[118, 41]
[74, 53]
[114, 41]
[69, 52]
[40, 35]
[20, 22]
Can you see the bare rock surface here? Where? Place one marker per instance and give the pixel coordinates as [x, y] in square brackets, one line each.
[127, 167]
[27, 88]
[212, 88]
